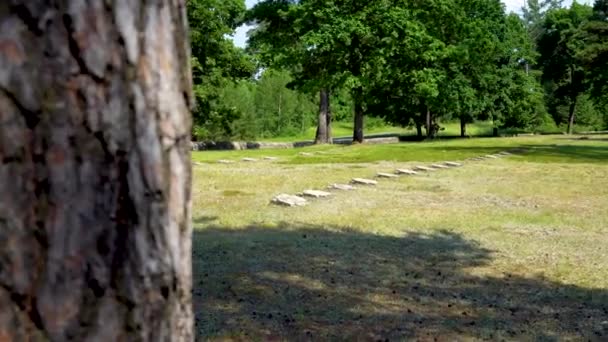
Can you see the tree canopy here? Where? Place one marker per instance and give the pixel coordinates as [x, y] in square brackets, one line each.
[409, 63]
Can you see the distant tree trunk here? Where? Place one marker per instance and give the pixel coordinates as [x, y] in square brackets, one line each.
[324, 123]
[279, 116]
[571, 115]
[430, 125]
[573, 97]
[463, 127]
[418, 130]
[95, 171]
[358, 128]
[329, 118]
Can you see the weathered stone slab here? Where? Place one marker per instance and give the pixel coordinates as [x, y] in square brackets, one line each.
[406, 172]
[306, 154]
[491, 156]
[423, 168]
[271, 158]
[439, 166]
[345, 187]
[224, 161]
[505, 153]
[364, 181]
[316, 193]
[289, 200]
[386, 175]
[249, 160]
[452, 164]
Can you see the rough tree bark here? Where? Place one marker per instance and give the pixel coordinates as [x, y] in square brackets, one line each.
[358, 104]
[94, 171]
[324, 123]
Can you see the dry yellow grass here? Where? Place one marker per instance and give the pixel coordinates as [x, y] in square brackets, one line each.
[500, 249]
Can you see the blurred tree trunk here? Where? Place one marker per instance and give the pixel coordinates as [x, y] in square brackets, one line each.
[358, 126]
[431, 127]
[95, 171]
[323, 135]
[463, 127]
[571, 115]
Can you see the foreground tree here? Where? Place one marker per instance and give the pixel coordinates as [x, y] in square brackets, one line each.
[94, 171]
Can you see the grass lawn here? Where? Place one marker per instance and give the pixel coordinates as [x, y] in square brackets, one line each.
[514, 248]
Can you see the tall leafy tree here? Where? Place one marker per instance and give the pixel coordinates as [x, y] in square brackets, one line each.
[216, 62]
[562, 70]
[277, 42]
[533, 14]
[592, 49]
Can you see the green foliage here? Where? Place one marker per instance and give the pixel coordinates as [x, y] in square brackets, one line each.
[592, 49]
[216, 62]
[397, 61]
[280, 110]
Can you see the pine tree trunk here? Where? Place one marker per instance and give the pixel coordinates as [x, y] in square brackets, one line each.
[323, 127]
[95, 171]
[358, 104]
[418, 130]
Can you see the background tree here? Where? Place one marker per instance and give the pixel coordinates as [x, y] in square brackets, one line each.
[277, 43]
[95, 171]
[216, 63]
[562, 71]
[592, 49]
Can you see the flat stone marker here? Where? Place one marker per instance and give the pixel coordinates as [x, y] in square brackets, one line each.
[406, 172]
[364, 181]
[423, 168]
[271, 158]
[198, 164]
[439, 166]
[491, 156]
[289, 200]
[224, 161]
[344, 187]
[452, 164]
[386, 175]
[249, 160]
[316, 193]
[306, 154]
[505, 153]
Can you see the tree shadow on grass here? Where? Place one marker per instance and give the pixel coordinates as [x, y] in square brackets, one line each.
[304, 282]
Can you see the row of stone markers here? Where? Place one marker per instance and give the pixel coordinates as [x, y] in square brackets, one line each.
[298, 200]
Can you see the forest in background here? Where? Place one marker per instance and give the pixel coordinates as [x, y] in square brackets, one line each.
[415, 64]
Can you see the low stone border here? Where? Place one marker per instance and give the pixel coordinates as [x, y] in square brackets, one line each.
[258, 145]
